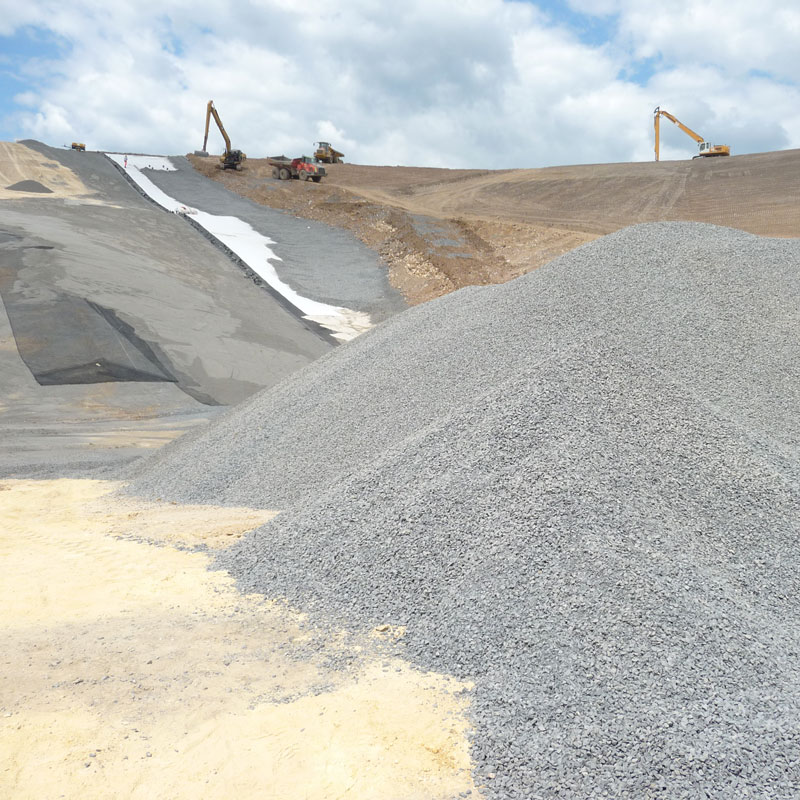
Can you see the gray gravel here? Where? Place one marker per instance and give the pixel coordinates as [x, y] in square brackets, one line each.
[579, 489]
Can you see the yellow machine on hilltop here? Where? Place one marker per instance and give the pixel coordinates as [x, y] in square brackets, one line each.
[325, 154]
[707, 150]
[230, 159]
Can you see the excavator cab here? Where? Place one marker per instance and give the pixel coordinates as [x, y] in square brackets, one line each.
[232, 159]
[707, 150]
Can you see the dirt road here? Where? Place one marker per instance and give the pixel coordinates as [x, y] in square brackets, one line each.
[443, 229]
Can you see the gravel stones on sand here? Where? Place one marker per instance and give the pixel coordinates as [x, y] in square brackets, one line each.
[578, 489]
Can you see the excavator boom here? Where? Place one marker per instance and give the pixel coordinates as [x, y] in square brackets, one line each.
[212, 112]
[706, 149]
[231, 159]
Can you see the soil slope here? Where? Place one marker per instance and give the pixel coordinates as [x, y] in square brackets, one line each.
[442, 229]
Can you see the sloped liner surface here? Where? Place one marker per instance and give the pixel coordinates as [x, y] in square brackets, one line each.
[65, 339]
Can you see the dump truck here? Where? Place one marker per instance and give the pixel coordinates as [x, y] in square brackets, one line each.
[325, 154]
[303, 168]
[79, 146]
[230, 159]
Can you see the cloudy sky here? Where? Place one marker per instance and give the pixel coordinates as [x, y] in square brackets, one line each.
[457, 83]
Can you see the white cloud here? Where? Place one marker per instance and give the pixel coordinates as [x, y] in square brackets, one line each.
[737, 35]
[481, 83]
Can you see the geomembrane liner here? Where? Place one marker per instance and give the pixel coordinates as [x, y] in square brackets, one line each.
[67, 340]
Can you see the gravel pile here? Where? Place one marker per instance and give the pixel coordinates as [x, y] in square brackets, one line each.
[579, 489]
[29, 186]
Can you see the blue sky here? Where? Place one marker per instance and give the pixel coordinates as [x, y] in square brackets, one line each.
[474, 83]
[20, 53]
[592, 29]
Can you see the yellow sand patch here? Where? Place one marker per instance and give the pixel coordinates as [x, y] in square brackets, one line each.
[377, 737]
[20, 163]
[130, 670]
[172, 523]
[110, 440]
[8, 345]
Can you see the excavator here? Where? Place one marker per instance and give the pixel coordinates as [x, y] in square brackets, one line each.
[707, 150]
[230, 159]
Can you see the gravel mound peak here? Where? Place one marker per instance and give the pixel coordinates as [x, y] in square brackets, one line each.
[29, 186]
[578, 489]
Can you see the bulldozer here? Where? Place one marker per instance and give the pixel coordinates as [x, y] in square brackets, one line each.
[230, 159]
[707, 150]
[325, 154]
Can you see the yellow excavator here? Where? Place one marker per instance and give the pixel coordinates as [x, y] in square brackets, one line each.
[230, 159]
[707, 150]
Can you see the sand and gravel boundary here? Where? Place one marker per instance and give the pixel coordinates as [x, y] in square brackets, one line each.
[131, 670]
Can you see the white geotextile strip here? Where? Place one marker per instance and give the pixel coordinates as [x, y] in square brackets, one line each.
[251, 246]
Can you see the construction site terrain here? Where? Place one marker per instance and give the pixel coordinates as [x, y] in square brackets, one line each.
[535, 539]
[443, 229]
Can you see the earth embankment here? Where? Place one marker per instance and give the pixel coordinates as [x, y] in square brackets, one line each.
[443, 229]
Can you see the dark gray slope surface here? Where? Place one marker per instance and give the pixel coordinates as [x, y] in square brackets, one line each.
[219, 335]
[136, 323]
[579, 489]
[318, 261]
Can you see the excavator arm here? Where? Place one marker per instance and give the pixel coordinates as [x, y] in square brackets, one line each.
[658, 113]
[212, 112]
[705, 148]
[230, 159]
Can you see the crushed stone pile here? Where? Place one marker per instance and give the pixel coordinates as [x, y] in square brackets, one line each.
[29, 186]
[578, 489]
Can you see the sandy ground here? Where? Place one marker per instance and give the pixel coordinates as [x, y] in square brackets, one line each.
[19, 163]
[132, 671]
[441, 229]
